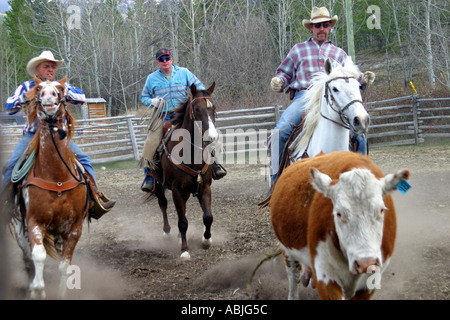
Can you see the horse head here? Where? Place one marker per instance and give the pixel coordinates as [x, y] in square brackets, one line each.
[343, 96]
[202, 109]
[47, 103]
[48, 96]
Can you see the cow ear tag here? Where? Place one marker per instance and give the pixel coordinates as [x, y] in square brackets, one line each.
[403, 186]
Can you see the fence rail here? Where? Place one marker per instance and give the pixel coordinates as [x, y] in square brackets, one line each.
[399, 121]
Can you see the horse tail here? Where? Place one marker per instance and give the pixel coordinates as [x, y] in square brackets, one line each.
[49, 245]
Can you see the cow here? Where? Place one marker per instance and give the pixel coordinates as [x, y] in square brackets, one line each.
[335, 221]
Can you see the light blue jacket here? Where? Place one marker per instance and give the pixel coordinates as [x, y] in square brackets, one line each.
[173, 91]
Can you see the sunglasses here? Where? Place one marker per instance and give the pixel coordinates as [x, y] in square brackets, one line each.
[324, 24]
[164, 59]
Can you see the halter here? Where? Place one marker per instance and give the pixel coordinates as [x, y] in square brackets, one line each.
[328, 94]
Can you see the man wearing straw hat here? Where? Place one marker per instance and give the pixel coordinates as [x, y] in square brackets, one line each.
[44, 67]
[296, 71]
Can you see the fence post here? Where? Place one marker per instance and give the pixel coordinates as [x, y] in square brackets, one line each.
[415, 118]
[277, 113]
[133, 139]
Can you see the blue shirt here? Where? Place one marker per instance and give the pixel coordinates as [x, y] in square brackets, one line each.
[173, 90]
[14, 103]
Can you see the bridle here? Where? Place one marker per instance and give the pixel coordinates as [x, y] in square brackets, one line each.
[52, 121]
[331, 101]
[209, 105]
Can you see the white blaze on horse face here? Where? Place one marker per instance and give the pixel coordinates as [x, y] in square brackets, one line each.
[49, 97]
[211, 133]
[358, 215]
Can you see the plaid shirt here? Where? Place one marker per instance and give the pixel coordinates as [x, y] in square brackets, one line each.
[14, 104]
[304, 60]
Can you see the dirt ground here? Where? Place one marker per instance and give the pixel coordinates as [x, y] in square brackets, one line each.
[123, 255]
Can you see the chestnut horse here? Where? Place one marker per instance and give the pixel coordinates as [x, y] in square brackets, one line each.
[53, 197]
[186, 163]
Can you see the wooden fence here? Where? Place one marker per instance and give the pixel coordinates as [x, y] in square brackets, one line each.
[400, 121]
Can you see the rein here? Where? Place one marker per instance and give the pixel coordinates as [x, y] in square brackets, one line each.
[58, 187]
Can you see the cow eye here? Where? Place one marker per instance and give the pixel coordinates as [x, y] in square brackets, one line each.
[381, 213]
[340, 216]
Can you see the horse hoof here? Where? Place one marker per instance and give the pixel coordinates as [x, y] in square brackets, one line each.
[38, 294]
[206, 243]
[166, 236]
[185, 256]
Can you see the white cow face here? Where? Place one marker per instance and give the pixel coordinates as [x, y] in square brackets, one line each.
[358, 211]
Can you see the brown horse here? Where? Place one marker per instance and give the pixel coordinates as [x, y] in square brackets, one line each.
[186, 163]
[53, 195]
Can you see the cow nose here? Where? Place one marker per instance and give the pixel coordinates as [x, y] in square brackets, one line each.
[362, 265]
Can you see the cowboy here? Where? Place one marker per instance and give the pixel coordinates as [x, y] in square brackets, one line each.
[168, 85]
[296, 71]
[44, 67]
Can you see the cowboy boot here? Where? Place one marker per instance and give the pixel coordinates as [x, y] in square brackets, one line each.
[148, 185]
[99, 203]
[218, 171]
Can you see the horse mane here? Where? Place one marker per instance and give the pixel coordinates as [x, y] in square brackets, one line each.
[314, 96]
[180, 112]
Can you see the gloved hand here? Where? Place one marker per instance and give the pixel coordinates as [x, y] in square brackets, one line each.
[369, 77]
[277, 84]
[157, 102]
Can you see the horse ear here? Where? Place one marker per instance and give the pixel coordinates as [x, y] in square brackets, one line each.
[63, 81]
[328, 66]
[211, 89]
[37, 80]
[193, 89]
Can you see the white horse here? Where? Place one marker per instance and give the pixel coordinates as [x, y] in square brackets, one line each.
[334, 108]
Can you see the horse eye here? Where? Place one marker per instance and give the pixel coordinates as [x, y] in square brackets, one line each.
[335, 89]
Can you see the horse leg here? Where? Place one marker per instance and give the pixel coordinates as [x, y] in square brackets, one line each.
[162, 201]
[205, 202]
[38, 254]
[179, 200]
[68, 248]
[22, 240]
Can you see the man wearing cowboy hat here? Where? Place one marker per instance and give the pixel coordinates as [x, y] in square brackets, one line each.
[44, 67]
[168, 84]
[296, 71]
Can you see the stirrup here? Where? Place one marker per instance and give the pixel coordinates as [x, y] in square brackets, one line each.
[219, 172]
[96, 208]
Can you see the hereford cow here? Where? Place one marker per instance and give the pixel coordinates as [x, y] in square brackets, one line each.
[335, 220]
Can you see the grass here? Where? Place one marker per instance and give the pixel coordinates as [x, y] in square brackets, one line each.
[117, 165]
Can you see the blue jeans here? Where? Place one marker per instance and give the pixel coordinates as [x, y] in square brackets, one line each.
[289, 119]
[84, 159]
[149, 179]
